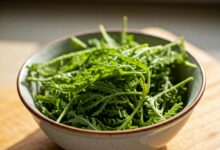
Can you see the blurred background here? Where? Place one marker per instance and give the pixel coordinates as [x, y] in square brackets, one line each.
[25, 26]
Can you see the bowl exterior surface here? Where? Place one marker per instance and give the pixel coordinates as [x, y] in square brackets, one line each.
[146, 140]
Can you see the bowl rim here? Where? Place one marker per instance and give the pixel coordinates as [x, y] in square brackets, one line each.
[120, 132]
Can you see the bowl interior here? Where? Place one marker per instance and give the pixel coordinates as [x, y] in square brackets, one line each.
[65, 46]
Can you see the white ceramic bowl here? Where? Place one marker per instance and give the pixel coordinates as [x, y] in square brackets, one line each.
[149, 137]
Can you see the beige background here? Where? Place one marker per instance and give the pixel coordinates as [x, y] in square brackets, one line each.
[13, 54]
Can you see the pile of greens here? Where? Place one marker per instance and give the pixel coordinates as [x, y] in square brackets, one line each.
[109, 84]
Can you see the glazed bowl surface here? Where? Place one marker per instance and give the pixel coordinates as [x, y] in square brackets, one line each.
[149, 137]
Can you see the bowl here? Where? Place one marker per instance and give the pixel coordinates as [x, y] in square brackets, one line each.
[150, 137]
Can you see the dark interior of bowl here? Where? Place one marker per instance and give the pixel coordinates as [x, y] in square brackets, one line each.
[65, 46]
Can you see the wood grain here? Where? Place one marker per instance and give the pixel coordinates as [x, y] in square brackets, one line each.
[202, 132]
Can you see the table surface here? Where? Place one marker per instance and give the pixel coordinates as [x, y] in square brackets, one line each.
[19, 131]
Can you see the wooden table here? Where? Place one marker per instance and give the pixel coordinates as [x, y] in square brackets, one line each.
[19, 131]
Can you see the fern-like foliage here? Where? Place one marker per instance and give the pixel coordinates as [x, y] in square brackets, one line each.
[111, 83]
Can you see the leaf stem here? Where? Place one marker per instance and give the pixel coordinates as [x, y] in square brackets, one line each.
[78, 42]
[173, 87]
[86, 122]
[66, 109]
[123, 32]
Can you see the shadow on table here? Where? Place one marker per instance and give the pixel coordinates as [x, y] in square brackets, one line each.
[39, 141]
[164, 148]
[35, 141]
